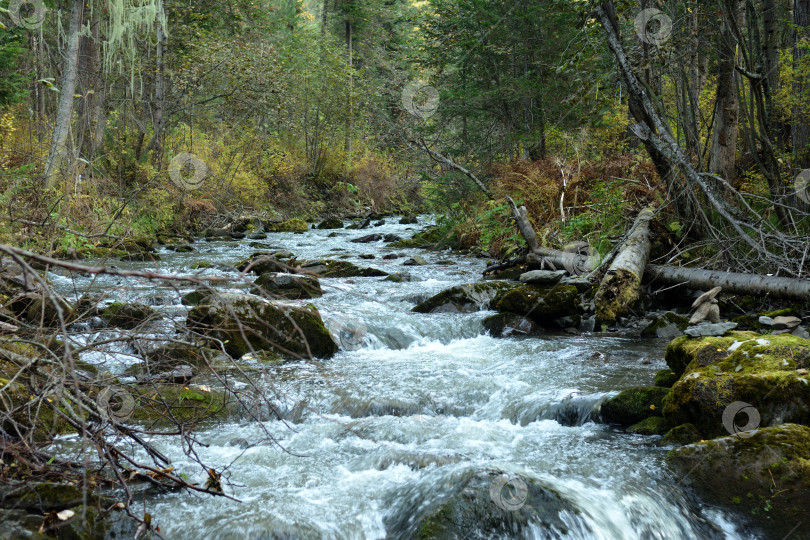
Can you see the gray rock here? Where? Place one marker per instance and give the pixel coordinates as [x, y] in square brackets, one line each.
[581, 283]
[368, 239]
[542, 277]
[789, 322]
[767, 321]
[710, 329]
[801, 332]
[416, 260]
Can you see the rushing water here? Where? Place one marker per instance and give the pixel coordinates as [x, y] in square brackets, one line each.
[421, 400]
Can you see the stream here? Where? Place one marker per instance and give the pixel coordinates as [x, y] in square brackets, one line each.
[411, 403]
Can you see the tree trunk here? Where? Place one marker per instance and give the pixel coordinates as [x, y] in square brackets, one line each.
[350, 105]
[58, 160]
[800, 128]
[732, 282]
[156, 144]
[722, 157]
[620, 290]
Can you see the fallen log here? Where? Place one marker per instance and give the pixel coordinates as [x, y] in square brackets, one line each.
[732, 282]
[621, 287]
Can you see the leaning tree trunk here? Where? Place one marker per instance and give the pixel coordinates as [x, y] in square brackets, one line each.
[621, 287]
[57, 157]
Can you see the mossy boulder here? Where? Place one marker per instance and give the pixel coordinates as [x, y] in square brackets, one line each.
[490, 503]
[632, 405]
[767, 372]
[162, 404]
[654, 425]
[683, 434]
[338, 269]
[289, 286]
[464, 298]
[763, 474]
[540, 304]
[263, 263]
[245, 322]
[669, 325]
[128, 316]
[45, 309]
[291, 225]
[331, 223]
[428, 238]
[665, 378]
[511, 325]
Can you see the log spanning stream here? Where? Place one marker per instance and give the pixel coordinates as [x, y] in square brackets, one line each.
[414, 404]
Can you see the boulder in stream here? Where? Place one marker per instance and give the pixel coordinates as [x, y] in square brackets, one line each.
[544, 306]
[511, 325]
[464, 298]
[128, 315]
[633, 405]
[244, 322]
[331, 223]
[767, 373]
[763, 474]
[293, 287]
[485, 504]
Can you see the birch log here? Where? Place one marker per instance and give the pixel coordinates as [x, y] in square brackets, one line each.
[621, 287]
[732, 282]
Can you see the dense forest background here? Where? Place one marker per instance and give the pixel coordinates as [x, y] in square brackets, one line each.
[129, 117]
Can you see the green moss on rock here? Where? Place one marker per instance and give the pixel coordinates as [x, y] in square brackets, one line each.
[767, 372]
[291, 225]
[632, 405]
[665, 378]
[539, 304]
[244, 322]
[765, 474]
[464, 298]
[127, 316]
[683, 434]
[654, 425]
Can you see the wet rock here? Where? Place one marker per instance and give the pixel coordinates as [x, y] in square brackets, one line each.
[331, 223]
[654, 425]
[144, 256]
[398, 277]
[389, 238]
[263, 263]
[632, 405]
[184, 249]
[291, 225]
[391, 256]
[446, 262]
[408, 220]
[484, 504]
[426, 239]
[763, 371]
[665, 378]
[581, 283]
[765, 475]
[293, 287]
[710, 329]
[367, 256]
[509, 274]
[669, 326]
[38, 308]
[464, 298]
[544, 306]
[339, 269]
[245, 322]
[416, 260]
[216, 233]
[257, 236]
[128, 316]
[368, 239]
[379, 223]
[683, 434]
[542, 277]
[238, 236]
[511, 325]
